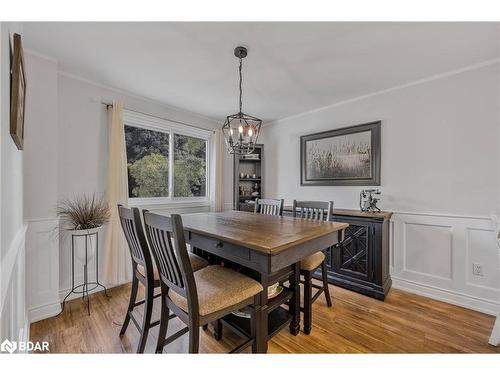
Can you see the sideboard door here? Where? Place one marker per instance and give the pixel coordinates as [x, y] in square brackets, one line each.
[352, 256]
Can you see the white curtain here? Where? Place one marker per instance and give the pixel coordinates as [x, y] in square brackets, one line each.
[116, 268]
[217, 196]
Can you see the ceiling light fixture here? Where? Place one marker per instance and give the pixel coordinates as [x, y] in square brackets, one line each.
[241, 130]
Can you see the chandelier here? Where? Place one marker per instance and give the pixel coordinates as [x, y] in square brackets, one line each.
[241, 130]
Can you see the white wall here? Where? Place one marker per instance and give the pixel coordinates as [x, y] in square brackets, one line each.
[83, 124]
[439, 146]
[12, 229]
[41, 188]
[40, 154]
[83, 148]
[68, 156]
[11, 157]
[440, 157]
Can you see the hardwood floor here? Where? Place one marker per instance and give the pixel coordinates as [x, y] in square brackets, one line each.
[404, 323]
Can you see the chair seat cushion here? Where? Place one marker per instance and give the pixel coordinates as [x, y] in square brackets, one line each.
[197, 263]
[312, 261]
[219, 288]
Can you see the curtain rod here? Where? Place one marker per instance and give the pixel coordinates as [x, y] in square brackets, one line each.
[161, 118]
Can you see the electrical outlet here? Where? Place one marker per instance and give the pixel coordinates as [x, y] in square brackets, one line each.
[477, 269]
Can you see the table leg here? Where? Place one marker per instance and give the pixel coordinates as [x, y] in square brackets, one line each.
[295, 300]
[262, 326]
[217, 330]
[255, 329]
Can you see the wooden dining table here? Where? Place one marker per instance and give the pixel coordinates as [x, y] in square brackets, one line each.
[270, 248]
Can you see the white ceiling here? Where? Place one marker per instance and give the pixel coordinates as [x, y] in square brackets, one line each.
[291, 67]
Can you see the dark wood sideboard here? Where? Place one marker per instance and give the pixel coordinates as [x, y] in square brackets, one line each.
[360, 262]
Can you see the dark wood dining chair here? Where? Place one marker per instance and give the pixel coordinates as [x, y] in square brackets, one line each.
[196, 298]
[313, 210]
[144, 271]
[269, 206]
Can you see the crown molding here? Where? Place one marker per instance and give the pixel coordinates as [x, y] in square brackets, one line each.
[117, 90]
[390, 89]
[28, 51]
[136, 96]
[277, 121]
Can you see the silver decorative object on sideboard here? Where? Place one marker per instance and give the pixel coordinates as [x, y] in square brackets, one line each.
[367, 201]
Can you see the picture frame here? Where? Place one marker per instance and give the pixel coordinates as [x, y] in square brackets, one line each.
[347, 156]
[18, 93]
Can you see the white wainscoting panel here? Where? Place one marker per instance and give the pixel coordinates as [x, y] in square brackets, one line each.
[481, 248]
[14, 323]
[423, 242]
[42, 268]
[433, 255]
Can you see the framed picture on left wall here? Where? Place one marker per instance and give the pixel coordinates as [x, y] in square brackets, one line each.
[17, 93]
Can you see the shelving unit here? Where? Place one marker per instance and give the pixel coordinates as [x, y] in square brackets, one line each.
[277, 320]
[278, 317]
[246, 187]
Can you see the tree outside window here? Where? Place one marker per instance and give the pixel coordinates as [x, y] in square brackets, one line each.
[148, 164]
[189, 166]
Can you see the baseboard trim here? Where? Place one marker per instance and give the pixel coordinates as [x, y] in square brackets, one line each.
[24, 334]
[42, 312]
[473, 303]
[49, 310]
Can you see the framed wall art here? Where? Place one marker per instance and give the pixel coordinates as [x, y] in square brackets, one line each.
[345, 156]
[17, 93]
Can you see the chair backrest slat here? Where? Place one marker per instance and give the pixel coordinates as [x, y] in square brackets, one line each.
[166, 238]
[313, 210]
[269, 206]
[130, 219]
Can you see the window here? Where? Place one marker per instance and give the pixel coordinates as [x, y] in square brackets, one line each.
[165, 161]
[147, 162]
[190, 166]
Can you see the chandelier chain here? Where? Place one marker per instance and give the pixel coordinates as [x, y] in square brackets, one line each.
[241, 89]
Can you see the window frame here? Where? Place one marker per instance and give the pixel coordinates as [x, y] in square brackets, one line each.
[143, 121]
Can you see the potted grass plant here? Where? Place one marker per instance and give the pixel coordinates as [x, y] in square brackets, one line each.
[83, 216]
[84, 213]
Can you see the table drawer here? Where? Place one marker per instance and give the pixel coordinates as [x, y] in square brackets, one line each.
[224, 249]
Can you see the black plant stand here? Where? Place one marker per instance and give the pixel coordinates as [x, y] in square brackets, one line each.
[83, 288]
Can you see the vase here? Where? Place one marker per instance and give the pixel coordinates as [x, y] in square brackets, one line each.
[79, 237]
